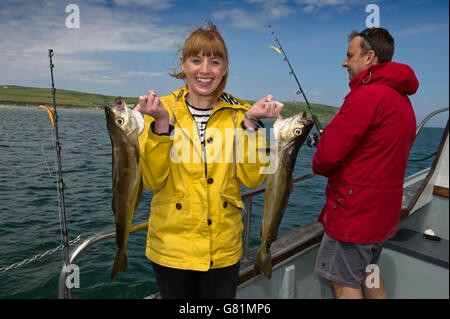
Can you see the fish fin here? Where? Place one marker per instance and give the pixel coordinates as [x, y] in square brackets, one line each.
[139, 194]
[120, 262]
[263, 262]
[141, 190]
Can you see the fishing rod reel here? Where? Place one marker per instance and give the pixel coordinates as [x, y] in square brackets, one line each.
[312, 140]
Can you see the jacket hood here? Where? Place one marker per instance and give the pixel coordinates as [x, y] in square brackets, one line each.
[395, 75]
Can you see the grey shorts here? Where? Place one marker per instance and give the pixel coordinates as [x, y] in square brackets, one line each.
[345, 263]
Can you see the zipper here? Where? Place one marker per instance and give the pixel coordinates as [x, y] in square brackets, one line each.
[204, 142]
[199, 138]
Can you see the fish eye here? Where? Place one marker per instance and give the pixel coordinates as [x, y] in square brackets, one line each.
[297, 131]
[120, 121]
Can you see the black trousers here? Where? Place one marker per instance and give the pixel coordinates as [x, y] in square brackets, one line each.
[218, 283]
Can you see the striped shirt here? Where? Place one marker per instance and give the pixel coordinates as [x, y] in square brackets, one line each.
[201, 116]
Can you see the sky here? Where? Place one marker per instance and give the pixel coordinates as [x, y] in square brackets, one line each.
[126, 47]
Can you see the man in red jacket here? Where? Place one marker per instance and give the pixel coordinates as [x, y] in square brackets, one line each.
[364, 151]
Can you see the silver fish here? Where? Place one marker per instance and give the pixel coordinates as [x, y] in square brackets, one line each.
[124, 127]
[290, 134]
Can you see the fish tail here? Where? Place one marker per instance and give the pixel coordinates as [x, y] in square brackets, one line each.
[120, 262]
[263, 262]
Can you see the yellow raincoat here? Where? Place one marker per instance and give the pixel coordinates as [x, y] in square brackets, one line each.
[195, 218]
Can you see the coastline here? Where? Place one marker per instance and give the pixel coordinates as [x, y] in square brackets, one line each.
[60, 106]
[80, 107]
[77, 107]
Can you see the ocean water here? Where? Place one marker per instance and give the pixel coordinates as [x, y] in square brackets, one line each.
[30, 223]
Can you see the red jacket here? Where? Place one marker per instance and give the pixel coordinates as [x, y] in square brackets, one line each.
[364, 151]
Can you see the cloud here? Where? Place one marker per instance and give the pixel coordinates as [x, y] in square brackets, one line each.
[422, 29]
[117, 80]
[254, 19]
[274, 9]
[153, 4]
[100, 29]
[131, 74]
[103, 79]
[314, 6]
[30, 28]
[239, 18]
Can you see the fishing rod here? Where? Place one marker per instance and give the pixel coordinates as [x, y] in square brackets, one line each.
[300, 91]
[60, 177]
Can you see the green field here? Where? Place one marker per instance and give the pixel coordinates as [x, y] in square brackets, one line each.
[22, 95]
[34, 96]
[323, 112]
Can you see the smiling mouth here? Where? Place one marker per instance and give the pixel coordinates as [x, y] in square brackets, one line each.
[204, 80]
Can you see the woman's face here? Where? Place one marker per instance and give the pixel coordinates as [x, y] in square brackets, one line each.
[203, 73]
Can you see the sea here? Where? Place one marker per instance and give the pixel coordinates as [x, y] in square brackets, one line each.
[30, 215]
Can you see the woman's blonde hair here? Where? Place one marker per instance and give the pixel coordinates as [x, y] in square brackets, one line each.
[208, 40]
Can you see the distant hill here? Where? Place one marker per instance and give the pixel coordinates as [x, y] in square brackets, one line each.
[23, 95]
[323, 112]
[31, 96]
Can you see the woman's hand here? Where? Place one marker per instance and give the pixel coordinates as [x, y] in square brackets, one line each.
[264, 108]
[151, 105]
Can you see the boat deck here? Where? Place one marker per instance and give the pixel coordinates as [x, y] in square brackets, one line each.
[413, 243]
[410, 265]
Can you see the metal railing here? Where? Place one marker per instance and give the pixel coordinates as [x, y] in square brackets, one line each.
[425, 120]
[64, 292]
[248, 200]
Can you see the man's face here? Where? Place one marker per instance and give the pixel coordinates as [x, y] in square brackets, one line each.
[355, 63]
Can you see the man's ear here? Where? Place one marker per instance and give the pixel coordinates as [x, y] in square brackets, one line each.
[371, 58]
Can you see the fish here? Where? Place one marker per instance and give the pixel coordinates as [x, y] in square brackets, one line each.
[290, 134]
[124, 126]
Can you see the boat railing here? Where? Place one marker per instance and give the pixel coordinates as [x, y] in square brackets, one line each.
[426, 119]
[248, 200]
[417, 190]
[63, 291]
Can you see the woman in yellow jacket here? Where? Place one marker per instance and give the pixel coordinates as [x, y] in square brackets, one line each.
[198, 146]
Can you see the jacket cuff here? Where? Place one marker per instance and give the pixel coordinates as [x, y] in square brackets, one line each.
[152, 127]
[248, 129]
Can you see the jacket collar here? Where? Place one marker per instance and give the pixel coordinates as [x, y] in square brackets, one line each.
[363, 77]
[395, 75]
[180, 102]
[186, 121]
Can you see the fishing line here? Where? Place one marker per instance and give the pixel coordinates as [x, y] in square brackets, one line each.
[44, 142]
[52, 173]
[300, 91]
